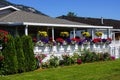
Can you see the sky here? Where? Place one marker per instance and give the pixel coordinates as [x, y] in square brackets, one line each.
[109, 9]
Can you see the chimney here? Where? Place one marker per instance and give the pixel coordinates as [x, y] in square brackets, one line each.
[102, 20]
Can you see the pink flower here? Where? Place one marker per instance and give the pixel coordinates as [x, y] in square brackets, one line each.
[113, 57]
[79, 61]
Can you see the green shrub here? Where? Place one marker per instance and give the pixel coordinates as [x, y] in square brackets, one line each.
[54, 61]
[20, 54]
[1, 62]
[30, 62]
[74, 58]
[10, 62]
[107, 56]
[67, 60]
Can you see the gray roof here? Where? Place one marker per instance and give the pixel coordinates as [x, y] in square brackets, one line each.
[23, 16]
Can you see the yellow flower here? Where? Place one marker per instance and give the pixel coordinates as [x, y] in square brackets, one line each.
[43, 33]
[64, 34]
[99, 34]
[86, 34]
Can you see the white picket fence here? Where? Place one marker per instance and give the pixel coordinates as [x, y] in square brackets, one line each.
[115, 49]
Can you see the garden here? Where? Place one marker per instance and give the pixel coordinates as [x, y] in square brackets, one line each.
[17, 54]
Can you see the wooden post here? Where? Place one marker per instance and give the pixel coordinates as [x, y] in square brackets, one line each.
[53, 33]
[74, 34]
[26, 30]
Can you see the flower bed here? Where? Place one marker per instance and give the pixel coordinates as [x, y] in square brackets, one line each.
[77, 58]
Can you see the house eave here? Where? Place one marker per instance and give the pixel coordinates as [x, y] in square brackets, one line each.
[65, 25]
[55, 25]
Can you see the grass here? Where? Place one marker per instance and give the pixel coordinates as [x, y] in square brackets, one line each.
[108, 70]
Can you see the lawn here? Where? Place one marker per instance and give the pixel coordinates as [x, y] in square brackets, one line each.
[108, 70]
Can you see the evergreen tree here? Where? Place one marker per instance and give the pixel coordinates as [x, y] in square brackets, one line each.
[71, 14]
[10, 62]
[20, 54]
[30, 62]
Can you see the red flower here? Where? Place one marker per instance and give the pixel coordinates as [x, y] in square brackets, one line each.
[95, 40]
[60, 40]
[75, 39]
[5, 32]
[6, 39]
[3, 35]
[109, 39]
[79, 61]
[34, 40]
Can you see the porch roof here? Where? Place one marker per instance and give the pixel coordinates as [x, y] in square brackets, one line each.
[29, 18]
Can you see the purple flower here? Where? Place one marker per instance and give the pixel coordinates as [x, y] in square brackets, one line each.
[104, 40]
[45, 40]
[81, 41]
[88, 39]
[68, 40]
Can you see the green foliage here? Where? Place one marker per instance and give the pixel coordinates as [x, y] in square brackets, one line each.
[1, 62]
[20, 54]
[74, 58]
[54, 61]
[88, 56]
[10, 62]
[71, 14]
[45, 64]
[67, 60]
[30, 62]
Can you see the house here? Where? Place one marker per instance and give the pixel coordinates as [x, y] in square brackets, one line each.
[98, 22]
[19, 20]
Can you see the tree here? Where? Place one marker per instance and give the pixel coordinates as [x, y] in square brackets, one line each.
[10, 63]
[20, 54]
[30, 62]
[71, 14]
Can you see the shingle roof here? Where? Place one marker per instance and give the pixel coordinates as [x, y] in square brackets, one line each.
[23, 16]
[4, 3]
[94, 21]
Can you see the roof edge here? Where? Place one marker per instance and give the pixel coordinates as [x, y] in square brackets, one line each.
[65, 25]
[56, 25]
[7, 7]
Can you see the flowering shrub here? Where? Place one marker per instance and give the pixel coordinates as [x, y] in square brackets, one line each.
[99, 34]
[54, 61]
[76, 58]
[64, 34]
[42, 33]
[86, 34]
[66, 60]
[3, 37]
[39, 58]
